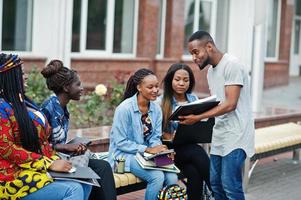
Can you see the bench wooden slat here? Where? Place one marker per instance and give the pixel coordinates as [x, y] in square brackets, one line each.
[277, 137]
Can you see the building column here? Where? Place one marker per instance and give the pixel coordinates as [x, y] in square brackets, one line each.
[148, 27]
[174, 30]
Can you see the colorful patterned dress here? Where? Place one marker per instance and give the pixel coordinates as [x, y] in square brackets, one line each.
[22, 172]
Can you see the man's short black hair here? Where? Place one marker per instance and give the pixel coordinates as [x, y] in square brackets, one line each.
[201, 35]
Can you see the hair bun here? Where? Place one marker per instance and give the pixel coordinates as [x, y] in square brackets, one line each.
[52, 68]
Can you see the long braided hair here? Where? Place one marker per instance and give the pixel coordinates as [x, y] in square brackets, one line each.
[57, 76]
[134, 80]
[169, 92]
[12, 91]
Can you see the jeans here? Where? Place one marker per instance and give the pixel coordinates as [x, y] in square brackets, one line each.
[155, 179]
[61, 190]
[226, 175]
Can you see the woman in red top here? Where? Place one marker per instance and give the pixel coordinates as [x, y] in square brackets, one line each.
[25, 154]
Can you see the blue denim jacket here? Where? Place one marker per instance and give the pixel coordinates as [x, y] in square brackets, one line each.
[173, 125]
[58, 119]
[126, 137]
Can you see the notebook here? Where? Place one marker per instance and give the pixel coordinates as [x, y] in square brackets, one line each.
[82, 174]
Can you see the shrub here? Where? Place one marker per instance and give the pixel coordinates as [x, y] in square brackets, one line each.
[37, 89]
[94, 109]
[97, 108]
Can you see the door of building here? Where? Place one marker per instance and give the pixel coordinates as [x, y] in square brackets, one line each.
[295, 61]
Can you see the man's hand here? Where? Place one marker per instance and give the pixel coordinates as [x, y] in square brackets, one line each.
[189, 119]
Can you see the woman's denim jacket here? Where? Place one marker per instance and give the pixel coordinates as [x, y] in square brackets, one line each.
[173, 125]
[126, 137]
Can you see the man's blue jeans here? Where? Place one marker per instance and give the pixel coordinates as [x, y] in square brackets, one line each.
[155, 179]
[67, 190]
[226, 175]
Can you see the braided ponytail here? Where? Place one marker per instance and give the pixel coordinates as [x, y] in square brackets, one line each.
[134, 80]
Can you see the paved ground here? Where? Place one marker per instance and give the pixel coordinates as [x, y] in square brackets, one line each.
[276, 180]
[277, 177]
[286, 97]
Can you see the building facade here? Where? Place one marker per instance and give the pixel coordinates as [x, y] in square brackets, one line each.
[101, 38]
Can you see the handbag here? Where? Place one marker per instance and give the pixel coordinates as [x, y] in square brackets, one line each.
[199, 132]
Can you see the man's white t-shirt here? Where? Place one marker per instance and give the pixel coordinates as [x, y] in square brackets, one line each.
[235, 129]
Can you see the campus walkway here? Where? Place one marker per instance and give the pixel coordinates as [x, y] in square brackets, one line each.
[276, 177]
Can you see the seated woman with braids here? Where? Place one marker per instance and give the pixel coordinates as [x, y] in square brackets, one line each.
[137, 128]
[66, 85]
[25, 154]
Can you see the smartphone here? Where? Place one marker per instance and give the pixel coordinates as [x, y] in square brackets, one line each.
[88, 143]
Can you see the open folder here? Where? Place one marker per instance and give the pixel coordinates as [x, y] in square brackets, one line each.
[196, 107]
[149, 164]
[82, 174]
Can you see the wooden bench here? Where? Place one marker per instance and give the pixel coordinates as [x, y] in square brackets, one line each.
[128, 182]
[273, 140]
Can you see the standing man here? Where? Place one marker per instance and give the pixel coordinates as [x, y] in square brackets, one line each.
[233, 132]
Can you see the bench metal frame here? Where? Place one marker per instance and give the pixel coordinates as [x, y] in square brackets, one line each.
[250, 163]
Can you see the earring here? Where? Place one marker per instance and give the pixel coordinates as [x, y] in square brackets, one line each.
[20, 97]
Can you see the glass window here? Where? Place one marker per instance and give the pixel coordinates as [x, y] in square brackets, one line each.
[76, 25]
[222, 22]
[189, 21]
[298, 7]
[205, 16]
[273, 23]
[161, 32]
[297, 36]
[103, 26]
[124, 26]
[16, 25]
[198, 16]
[96, 24]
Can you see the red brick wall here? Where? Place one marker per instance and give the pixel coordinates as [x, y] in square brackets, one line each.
[277, 73]
[93, 72]
[33, 62]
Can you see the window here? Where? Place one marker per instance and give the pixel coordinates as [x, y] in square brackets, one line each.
[161, 32]
[273, 29]
[104, 26]
[199, 15]
[297, 21]
[16, 25]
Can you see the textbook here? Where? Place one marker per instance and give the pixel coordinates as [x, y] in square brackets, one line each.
[81, 174]
[148, 164]
[195, 107]
[149, 156]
